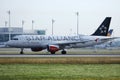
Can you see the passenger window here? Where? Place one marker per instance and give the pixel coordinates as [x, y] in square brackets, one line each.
[15, 38]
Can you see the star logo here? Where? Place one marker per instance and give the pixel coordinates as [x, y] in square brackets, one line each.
[103, 29]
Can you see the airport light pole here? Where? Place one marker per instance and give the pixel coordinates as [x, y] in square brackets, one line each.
[32, 25]
[52, 25]
[22, 26]
[5, 23]
[70, 31]
[9, 25]
[77, 13]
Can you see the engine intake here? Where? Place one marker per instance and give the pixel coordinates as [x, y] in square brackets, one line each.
[53, 48]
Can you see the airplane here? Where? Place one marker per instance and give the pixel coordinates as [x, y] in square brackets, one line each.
[55, 43]
[114, 44]
[110, 32]
[104, 45]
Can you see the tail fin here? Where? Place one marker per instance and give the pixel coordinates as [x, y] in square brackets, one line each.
[103, 28]
[110, 32]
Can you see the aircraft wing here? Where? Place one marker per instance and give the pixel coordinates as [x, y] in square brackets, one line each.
[109, 39]
[72, 42]
[63, 44]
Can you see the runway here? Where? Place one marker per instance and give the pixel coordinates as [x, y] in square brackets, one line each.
[57, 55]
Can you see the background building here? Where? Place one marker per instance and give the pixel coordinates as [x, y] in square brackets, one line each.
[4, 32]
[34, 32]
[40, 32]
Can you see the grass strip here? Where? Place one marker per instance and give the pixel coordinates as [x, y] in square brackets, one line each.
[59, 71]
[67, 60]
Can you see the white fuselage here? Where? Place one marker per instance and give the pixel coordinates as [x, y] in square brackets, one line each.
[38, 41]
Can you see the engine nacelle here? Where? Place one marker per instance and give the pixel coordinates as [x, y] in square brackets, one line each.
[36, 49]
[53, 48]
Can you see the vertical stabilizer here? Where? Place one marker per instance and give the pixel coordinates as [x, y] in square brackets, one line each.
[103, 28]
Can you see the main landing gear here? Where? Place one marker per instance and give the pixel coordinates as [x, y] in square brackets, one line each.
[52, 52]
[63, 52]
[21, 52]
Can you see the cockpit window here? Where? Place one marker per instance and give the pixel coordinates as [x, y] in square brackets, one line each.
[15, 39]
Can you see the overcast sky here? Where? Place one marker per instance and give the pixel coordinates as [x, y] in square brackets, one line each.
[91, 14]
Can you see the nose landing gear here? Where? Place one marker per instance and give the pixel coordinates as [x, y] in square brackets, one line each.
[21, 52]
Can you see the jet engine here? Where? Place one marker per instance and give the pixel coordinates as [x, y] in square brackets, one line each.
[36, 49]
[53, 48]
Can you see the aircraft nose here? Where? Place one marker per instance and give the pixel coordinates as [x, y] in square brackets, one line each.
[9, 43]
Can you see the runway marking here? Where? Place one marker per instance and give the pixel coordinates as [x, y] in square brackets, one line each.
[56, 55]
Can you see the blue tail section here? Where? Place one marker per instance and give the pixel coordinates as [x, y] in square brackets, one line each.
[110, 32]
[103, 28]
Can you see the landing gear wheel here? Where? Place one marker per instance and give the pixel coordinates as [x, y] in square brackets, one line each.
[52, 52]
[63, 52]
[21, 52]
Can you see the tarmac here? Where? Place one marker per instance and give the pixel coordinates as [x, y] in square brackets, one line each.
[57, 55]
